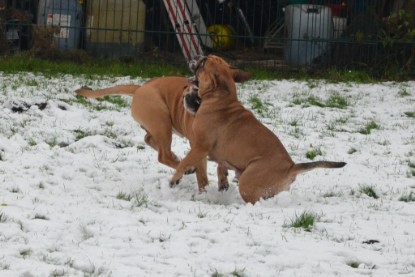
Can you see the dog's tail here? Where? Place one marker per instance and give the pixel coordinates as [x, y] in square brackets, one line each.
[304, 167]
[119, 90]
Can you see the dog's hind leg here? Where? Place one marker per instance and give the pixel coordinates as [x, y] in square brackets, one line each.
[258, 181]
[163, 147]
[222, 172]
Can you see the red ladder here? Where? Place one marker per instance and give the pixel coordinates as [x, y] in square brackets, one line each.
[181, 13]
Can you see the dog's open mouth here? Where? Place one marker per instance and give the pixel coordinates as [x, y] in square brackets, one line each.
[192, 100]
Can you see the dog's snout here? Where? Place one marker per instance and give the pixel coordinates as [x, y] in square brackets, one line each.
[196, 62]
[194, 81]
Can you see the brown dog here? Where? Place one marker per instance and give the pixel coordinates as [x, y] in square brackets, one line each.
[230, 135]
[157, 106]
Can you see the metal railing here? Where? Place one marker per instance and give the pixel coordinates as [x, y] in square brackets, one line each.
[266, 33]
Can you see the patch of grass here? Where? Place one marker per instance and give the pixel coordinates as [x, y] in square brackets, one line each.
[52, 142]
[353, 264]
[57, 273]
[342, 120]
[293, 123]
[404, 92]
[154, 65]
[315, 101]
[85, 233]
[334, 125]
[369, 191]
[408, 197]
[217, 274]
[313, 153]
[110, 134]
[304, 221]
[80, 134]
[235, 273]
[80, 100]
[355, 76]
[312, 83]
[124, 196]
[140, 199]
[351, 151]
[15, 190]
[412, 168]
[366, 130]
[164, 237]
[100, 106]
[4, 266]
[258, 105]
[23, 61]
[32, 142]
[238, 272]
[296, 132]
[25, 252]
[116, 100]
[140, 147]
[201, 214]
[3, 217]
[331, 194]
[335, 100]
[410, 114]
[356, 264]
[41, 217]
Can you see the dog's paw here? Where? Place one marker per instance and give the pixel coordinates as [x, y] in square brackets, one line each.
[223, 186]
[190, 170]
[174, 183]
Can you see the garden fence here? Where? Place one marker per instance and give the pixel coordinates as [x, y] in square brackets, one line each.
[265, 33]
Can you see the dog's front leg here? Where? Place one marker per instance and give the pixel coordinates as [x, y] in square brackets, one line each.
[192, 158]
[201, 176]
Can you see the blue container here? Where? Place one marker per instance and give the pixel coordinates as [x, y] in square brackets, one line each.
[67, 15]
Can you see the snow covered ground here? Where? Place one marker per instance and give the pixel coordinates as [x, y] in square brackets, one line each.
[82, 195]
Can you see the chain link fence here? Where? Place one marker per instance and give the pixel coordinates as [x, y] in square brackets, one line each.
[265, 33]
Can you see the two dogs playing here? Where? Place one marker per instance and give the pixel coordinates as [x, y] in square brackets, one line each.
[216, 125]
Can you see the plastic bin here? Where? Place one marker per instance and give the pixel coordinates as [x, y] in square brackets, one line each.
[115, 28]
[307, 29]
[67, 14]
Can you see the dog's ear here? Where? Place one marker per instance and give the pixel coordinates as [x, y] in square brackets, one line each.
[224, 83]
[240, 76]
[216, 80]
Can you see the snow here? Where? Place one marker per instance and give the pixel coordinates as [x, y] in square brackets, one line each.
[65, 166]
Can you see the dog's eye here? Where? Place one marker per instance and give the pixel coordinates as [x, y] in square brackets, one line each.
[200, 64]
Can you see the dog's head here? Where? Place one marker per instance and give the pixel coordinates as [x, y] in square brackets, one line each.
[213, 73]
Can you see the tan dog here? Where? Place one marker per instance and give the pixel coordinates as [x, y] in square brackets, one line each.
[157, 106]
[230, 135]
